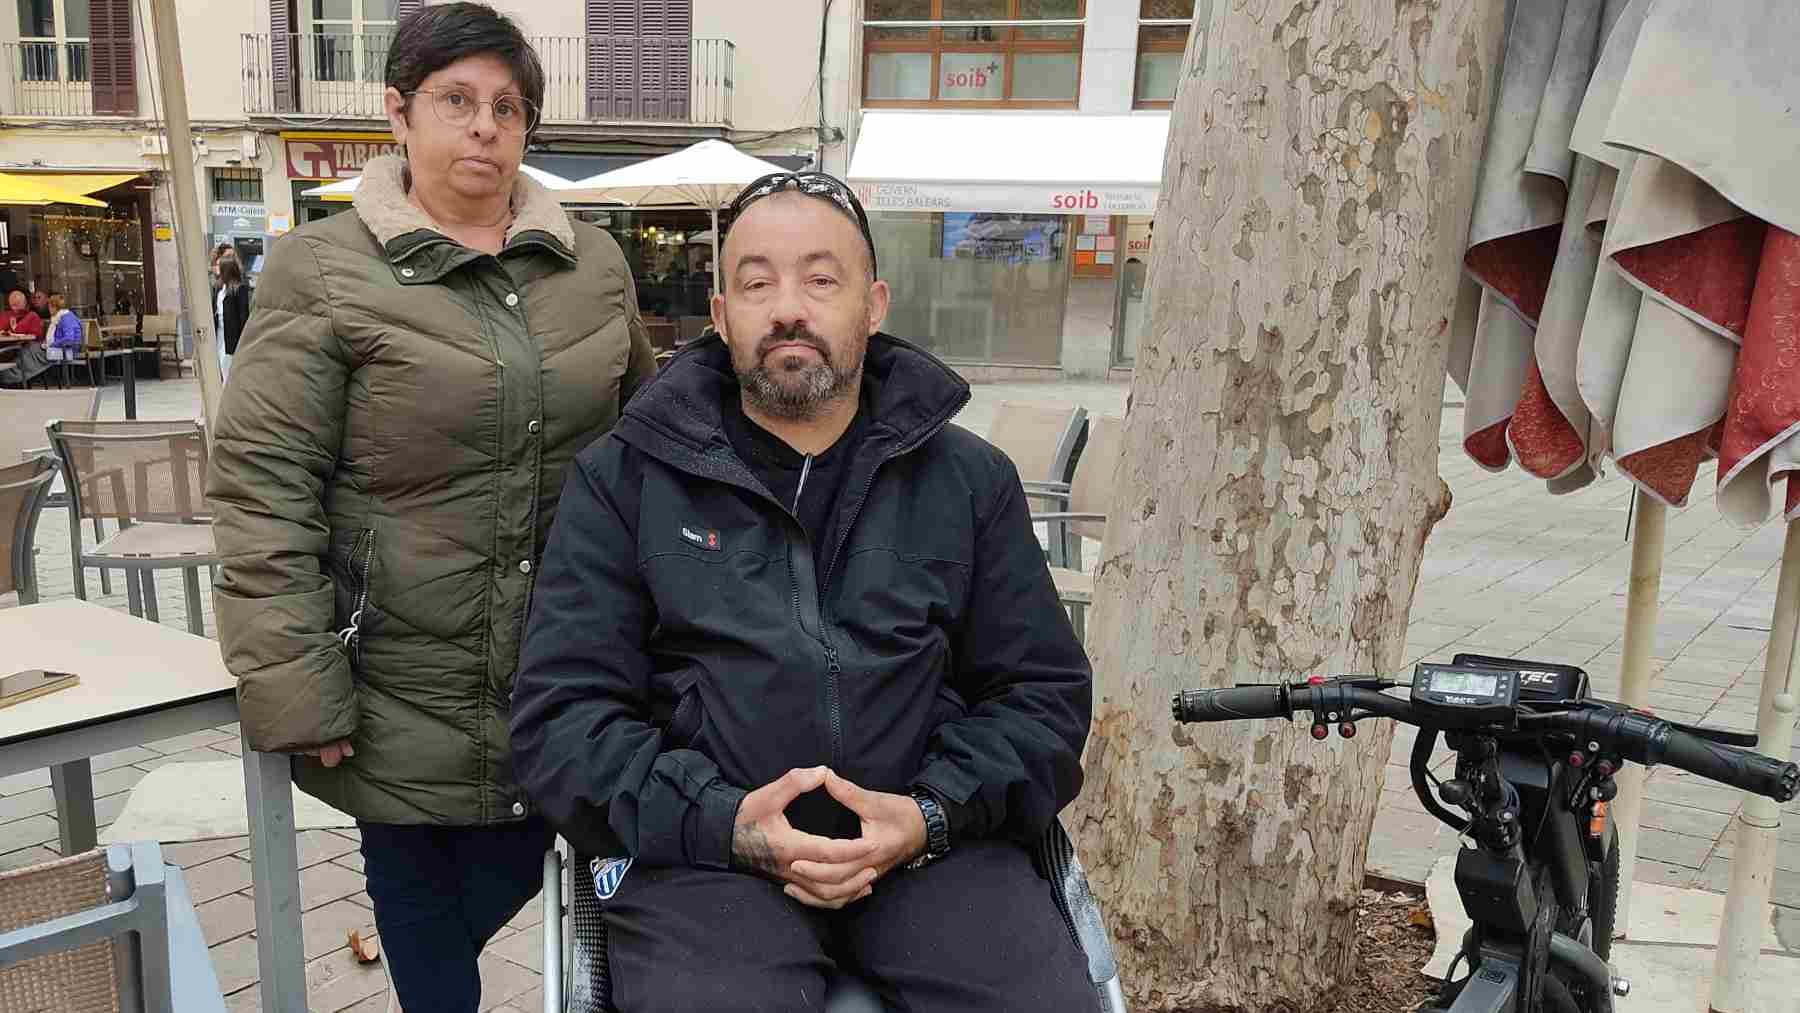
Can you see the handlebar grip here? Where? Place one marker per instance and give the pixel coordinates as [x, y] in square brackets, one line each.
[1233, 704]
[1740, 768]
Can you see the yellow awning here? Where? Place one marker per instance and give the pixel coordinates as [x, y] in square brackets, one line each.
[30, 190]
[82, 183]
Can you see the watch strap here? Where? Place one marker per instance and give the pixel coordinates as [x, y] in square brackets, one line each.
[937, 829]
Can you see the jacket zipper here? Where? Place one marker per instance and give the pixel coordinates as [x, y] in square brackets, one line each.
[833, 697]
[351, 635]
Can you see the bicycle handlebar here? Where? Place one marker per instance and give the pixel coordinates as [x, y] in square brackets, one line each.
[1636, 736]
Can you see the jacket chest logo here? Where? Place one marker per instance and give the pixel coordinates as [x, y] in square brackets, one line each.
[708, 540]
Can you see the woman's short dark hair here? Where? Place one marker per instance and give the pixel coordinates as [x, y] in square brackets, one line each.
[438, 35]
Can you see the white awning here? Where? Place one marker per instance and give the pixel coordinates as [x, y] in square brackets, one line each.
[1063, 163]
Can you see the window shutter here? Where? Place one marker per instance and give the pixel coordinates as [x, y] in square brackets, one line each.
[612, 80]
[112, 59]
[407, 7]
[283, 47]
[677, 56]
[640, 59]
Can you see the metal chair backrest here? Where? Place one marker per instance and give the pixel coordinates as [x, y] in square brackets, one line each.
[86, 934]
[1042, 442]
[1090, 492]
[25, 413]
[24, 488]
[134, 471]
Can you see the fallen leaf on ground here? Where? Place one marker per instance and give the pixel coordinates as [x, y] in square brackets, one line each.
[366, 950]
[1421, 918]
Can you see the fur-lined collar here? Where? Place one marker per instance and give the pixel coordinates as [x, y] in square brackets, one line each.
[381, 201]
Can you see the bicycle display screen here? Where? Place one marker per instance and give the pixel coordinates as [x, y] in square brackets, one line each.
[1466, 696]
[1464, 682]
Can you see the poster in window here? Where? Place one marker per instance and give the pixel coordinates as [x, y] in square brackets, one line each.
[1099, 235]
[1011, 238]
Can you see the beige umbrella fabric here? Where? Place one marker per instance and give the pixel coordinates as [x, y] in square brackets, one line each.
[1528, 179]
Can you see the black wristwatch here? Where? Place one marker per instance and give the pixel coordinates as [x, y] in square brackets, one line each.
[937, 829]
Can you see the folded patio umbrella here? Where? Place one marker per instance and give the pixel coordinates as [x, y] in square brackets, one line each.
[1519, 376]
[1706, 230]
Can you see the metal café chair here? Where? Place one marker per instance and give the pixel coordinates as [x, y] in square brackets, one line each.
[23, 416]
[1081, 514]
[149, 477]
[24, 488]
[110, 931]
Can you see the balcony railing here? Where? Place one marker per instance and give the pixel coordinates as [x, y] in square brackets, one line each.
[45, 79]
[588, 78]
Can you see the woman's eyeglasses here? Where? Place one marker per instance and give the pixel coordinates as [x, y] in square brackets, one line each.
[457, 107]
[813, 184]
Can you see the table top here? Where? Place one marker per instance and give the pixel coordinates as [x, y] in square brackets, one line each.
[127, 666]
[118, 329]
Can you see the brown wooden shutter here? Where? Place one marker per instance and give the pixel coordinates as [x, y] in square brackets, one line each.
[612, 80]
[112, 58]
[665, 67]
[284, 48]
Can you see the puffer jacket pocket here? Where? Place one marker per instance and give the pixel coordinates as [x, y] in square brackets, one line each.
[686, 712]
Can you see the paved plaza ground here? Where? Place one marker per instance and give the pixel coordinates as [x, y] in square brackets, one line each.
[1510, 570]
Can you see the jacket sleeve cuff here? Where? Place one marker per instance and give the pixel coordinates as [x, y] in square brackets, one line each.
[958, 793]
[718, 818]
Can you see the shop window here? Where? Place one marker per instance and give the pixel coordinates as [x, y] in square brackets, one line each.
[1162, 38]
[972, 53]
[1134, 277]
[237, 186]
[977, 287]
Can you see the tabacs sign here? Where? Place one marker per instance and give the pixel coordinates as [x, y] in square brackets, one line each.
[325, 157]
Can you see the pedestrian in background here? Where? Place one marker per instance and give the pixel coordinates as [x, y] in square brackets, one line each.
[413, 382]
[232, 311]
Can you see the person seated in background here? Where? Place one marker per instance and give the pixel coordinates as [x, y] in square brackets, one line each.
[65, 330]
[20, 320]
[40, 303]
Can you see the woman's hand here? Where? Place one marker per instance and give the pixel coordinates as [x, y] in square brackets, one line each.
[333, 753]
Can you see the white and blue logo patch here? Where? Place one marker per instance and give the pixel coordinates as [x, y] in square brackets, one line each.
[608, 874]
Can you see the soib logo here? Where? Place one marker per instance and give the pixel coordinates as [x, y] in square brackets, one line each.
[708, 540]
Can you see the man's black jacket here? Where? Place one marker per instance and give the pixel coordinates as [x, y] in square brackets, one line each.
[681, 649]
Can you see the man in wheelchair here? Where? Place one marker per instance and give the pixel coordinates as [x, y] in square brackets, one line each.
[795, 660]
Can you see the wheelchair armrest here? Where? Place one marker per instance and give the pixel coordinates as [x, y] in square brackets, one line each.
[1057, 862]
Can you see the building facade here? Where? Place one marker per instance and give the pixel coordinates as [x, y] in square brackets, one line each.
[286, 95]
[1010, 153]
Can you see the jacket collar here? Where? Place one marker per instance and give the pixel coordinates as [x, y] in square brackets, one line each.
[678, 416]
[403, 230]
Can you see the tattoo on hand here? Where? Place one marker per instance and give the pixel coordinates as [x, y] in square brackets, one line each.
[750, 850]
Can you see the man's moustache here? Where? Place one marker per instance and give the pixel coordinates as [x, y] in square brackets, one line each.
[796, 336]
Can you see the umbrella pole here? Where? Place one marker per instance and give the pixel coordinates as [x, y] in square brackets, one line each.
[1759, 821]
[715, 246]
[190, 231]
[1647, 535]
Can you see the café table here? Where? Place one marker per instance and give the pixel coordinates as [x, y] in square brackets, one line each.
[143, 682]
[110, 334]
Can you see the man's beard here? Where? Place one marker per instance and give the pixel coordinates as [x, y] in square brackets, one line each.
[797, 392]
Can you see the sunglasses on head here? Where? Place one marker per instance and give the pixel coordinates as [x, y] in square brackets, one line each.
[813, 184]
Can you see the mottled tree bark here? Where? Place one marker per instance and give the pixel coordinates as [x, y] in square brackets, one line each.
[1279, 477]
